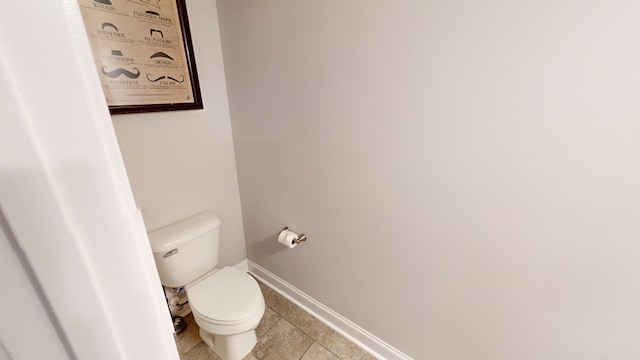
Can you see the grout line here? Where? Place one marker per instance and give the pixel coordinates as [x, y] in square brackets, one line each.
[308, 347]
[282, 317]
[274, 324]
[353, 332]
[331, 352]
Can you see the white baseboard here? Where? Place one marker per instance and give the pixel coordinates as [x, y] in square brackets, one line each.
[242, 265]
[339, 323]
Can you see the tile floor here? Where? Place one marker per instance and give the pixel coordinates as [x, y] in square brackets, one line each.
[286, 332]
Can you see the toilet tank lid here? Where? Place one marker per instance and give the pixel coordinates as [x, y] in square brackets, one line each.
[174, 235]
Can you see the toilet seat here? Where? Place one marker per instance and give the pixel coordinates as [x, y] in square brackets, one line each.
[227, 297]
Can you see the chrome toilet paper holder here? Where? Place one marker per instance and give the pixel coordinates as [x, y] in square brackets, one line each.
[300, 238]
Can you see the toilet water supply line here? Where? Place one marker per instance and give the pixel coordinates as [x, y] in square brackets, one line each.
[174, 301]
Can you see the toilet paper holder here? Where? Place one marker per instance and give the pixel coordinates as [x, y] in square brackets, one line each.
[300, 238]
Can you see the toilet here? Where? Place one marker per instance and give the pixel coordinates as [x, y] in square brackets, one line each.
[227, 304]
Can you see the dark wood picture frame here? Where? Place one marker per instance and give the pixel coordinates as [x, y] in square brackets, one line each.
[103, 8]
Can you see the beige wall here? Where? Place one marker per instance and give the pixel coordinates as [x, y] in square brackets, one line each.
[182, 162]
[467, 173]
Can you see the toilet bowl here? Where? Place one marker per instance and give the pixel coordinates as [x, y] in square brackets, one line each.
[227, 306]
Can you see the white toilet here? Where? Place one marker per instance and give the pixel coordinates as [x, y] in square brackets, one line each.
[227, 304]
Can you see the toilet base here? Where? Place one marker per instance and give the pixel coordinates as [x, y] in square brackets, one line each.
[230, 347]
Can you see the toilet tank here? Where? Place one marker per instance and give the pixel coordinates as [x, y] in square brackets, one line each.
[186, 250]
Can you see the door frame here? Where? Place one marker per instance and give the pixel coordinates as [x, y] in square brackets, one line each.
[65, 194]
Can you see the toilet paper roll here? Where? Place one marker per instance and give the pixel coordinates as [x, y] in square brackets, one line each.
[288, 238]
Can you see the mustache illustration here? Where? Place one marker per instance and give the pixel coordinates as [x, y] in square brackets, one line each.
[152, 31]
[117, 72]
[152, 13]
[160, 54]
[106, 2]
[166, 77]
[104, 25]
[149, 2]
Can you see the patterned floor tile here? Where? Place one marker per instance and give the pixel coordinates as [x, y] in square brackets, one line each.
[305, 322]
[190, 337]
[283, 342]
[277, 302]
[318, 352]
[368, 356]
[286, 332]
[200, 352]
[339, 345]
[269, 319]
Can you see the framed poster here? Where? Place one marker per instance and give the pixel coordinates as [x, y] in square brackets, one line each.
[143, 53]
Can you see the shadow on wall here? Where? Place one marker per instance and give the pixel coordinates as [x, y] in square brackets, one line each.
[266, 247]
